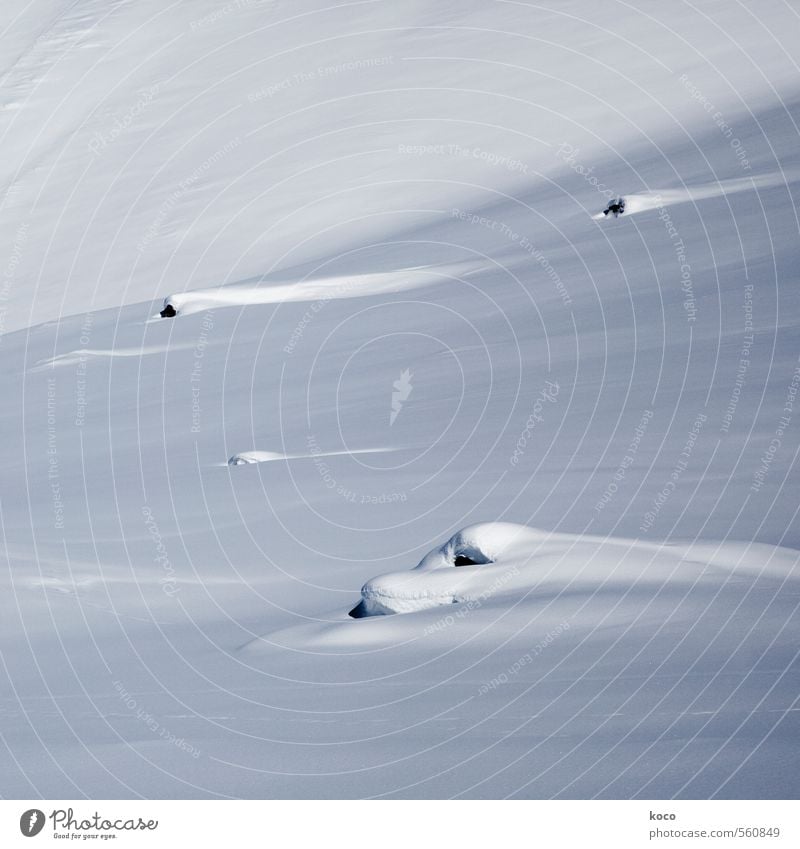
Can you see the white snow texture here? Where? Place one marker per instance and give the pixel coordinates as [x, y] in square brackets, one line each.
[402, 325]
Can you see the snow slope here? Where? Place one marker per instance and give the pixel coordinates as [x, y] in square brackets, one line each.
[377, 225]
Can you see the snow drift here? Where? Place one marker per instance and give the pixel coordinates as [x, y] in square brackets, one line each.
[321, 289]
[658, 199]
[502, 563]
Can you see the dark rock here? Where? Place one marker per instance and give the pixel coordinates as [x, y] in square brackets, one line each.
[359, 611]
[168, 312]
[615, 207]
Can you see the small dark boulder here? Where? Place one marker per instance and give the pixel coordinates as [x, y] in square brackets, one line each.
[359, 611]
[168, 312]
[615, 207]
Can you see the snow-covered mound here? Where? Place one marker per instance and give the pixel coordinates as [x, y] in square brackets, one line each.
[480, 553]
[500, 563]
[248, 458]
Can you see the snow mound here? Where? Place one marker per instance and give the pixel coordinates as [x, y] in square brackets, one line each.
[520, 575]
[247, 458]
[433, 581]
[320, 289]
[485, 562]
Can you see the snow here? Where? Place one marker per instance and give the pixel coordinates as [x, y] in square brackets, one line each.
[318, 290]
[247, 458]
[74, 358]
[394, 308]
[513, 562]
[647, 201]
[520, 562]
[481, 545]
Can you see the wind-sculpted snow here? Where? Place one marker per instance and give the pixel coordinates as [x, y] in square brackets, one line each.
[497, 567]
[82, 355]
[479, 553]
[500, 559]
[250, 458]
[321, 289]
[647, 201]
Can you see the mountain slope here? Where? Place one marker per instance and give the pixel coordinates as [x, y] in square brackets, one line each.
[381, 228]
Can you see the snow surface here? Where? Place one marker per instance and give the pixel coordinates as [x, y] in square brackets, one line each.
[376, 224]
